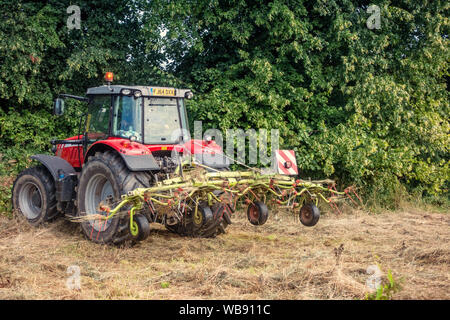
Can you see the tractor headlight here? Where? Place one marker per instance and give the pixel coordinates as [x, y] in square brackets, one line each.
[189, 95]
[137, 93]
[125, 92]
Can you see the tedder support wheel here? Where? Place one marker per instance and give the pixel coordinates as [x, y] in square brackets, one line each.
[140, 229]
[33, 195]
[105, 174]
[257, 213]
[309, 215]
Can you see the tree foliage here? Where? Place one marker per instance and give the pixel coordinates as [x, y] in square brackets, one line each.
[365, 106]
[41, 57]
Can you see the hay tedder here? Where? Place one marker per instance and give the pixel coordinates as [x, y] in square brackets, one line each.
[126, 169]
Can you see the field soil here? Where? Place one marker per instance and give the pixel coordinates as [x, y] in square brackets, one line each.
[280, 260]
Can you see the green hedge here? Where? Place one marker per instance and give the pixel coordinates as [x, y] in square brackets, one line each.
[366, 107]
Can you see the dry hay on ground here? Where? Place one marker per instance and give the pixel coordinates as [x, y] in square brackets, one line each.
[280, 260]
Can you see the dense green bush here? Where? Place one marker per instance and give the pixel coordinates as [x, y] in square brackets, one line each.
[40, 58]
[366, 107]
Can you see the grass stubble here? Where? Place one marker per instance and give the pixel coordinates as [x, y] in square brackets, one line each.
[280, 260]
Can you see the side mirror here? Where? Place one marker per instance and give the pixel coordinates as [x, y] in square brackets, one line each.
[58, 107]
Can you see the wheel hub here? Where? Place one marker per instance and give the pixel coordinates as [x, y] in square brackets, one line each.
[198, 219]
[36, 199]
[254, 213]
[98, 190]
[30, 200]
[306, 213]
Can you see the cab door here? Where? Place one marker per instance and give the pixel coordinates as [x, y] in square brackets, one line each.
[98, 119]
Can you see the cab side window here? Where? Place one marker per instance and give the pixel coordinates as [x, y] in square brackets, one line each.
[127, 117]
[97, 123]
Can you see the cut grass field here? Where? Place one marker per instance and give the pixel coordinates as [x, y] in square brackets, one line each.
[280, 260]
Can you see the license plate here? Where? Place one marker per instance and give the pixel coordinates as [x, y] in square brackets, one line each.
[162, 92]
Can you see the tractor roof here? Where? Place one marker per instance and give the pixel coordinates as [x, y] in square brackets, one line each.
[146, 90]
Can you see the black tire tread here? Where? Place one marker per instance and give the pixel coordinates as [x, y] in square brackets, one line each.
[42, 174]
[263, 213]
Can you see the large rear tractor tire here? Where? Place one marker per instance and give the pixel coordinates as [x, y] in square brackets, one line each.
[33, 195]
[104, 175]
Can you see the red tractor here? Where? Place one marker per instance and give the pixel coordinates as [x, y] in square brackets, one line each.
[128, 143]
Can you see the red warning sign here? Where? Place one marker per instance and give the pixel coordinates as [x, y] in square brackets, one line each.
[286, 162]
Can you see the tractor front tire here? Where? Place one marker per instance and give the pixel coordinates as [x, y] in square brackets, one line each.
[33, 195]
[105, 174]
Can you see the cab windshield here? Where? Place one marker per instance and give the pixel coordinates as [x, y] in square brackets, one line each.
[162, 120]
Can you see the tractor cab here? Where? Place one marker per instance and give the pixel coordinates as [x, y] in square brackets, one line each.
[148, 115]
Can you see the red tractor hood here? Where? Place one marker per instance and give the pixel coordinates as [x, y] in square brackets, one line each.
[75, 156]
[125, 146]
